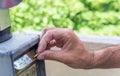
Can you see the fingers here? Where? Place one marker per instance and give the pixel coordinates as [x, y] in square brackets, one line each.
[52, 55]
[49, 36]
[71, 51]
[51, 44]
[43, 32]
[45, 41]
[52, 35]
[46, 29]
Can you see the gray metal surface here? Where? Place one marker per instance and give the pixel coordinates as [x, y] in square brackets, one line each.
[4, 19]
[41, 71]
[18, 44]
[9, 3]
[6, 68]
[5, 35]
[13, 48]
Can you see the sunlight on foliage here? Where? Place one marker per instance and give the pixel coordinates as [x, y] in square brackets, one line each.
[99, 17]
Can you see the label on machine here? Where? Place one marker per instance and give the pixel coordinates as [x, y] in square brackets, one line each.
[22, 62]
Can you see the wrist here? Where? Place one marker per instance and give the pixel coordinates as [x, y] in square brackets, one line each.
[90, 60]
[86, 60]
[101, 57]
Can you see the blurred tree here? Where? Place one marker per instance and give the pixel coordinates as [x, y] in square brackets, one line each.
[101, 17]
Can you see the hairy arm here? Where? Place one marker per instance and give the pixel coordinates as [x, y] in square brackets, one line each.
[73, 53]
[107, 58]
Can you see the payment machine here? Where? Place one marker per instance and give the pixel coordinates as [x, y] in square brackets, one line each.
[17, 51]
[17, 56]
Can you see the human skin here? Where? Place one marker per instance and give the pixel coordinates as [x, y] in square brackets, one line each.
[73, 53]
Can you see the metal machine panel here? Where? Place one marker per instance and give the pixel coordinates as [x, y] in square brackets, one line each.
[6, 68]
[16, 56]
[4, 19]
[19, 44]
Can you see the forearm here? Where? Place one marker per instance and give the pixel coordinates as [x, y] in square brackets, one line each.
[107, 58]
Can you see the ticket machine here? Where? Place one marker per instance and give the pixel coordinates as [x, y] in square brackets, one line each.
[17, 50]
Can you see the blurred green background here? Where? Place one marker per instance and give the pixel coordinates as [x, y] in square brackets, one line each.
[98, 17]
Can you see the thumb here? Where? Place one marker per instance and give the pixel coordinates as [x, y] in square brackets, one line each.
[52, 55]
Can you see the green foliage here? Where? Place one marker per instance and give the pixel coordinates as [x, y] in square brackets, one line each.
[100, 17]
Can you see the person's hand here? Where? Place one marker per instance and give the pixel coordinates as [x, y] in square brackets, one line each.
[72, 53]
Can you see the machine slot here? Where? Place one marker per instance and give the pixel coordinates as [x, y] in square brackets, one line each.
[25, 62]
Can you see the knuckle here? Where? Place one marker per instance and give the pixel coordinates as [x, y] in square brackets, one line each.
[69, 30]
[46, 29]
[49, 32]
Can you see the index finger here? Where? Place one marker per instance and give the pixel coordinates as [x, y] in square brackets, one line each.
[56, 34]
[45, 41]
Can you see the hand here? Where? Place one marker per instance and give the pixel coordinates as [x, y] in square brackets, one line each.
[72, 53]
